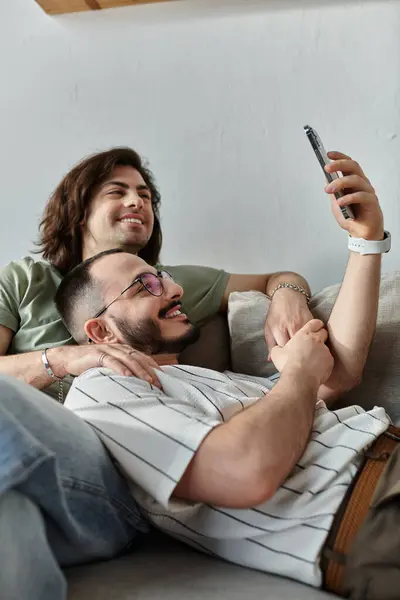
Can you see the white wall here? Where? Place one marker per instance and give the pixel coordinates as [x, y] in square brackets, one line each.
[215, 94]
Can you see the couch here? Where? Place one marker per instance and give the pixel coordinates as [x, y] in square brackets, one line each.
[162, 568]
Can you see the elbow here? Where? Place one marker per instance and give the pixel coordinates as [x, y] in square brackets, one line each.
[347, 383]
[263, 489]
[342, 384]
[353, 382]
[260, 485]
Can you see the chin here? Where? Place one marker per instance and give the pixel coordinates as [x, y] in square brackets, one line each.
[179, 342]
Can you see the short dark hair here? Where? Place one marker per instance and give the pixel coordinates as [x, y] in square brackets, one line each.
[60, 237]
[80, 293]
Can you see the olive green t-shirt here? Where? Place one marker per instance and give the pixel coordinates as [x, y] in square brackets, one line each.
[28, 287]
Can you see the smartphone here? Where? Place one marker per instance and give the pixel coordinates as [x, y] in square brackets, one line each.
[323, 160]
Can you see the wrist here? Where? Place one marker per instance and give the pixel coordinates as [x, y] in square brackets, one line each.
[55, 356]
[298, 374]
[290, 289]
[364, 245]
[376, 235]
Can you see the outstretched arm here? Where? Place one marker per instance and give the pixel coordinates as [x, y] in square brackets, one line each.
[352, 323]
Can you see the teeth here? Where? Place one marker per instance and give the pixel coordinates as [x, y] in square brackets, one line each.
[131, 221]
[174, 314]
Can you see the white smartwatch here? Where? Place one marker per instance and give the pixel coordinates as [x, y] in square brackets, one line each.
[370, 246]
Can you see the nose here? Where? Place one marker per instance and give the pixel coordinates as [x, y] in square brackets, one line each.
[172, 290]
[133, 199]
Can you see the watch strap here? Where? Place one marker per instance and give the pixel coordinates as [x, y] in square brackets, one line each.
[370, 246]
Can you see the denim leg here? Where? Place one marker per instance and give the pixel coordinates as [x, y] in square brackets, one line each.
[56, 462]
[29, 570]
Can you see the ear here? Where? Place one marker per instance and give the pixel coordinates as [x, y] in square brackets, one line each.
[99, 332]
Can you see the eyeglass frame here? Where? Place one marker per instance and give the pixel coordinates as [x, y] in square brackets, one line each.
[138, 279]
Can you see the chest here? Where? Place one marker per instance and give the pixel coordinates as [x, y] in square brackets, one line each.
[217, 395]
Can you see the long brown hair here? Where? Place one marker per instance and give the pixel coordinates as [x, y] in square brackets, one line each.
[60, 238]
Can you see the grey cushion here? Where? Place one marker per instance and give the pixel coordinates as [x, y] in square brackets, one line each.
[381, 379]
[247, 312]
[167, 570]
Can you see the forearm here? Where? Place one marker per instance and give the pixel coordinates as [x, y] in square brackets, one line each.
[286, 276]
[256, 449]
[352, 323]
[29, 367]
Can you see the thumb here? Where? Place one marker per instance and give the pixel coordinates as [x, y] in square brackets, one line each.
[274, 353]
[269, 338]
[313, 326]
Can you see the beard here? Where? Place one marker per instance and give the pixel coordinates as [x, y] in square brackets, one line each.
[146, 336]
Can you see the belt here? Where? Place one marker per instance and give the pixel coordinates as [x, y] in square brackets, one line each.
[353, 512]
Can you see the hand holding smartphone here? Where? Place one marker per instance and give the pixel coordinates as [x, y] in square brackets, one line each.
[323, 160]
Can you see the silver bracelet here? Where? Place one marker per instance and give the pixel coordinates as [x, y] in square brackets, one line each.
[50, 371]
[290, 286]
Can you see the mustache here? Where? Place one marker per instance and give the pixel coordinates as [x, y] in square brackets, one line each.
[166, 309]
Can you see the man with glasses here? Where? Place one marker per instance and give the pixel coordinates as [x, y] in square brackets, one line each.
[260, 473]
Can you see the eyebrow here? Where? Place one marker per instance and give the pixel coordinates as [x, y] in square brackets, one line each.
[144, 272]
[141, 187]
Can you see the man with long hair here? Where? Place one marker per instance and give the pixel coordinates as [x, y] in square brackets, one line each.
[111, 200]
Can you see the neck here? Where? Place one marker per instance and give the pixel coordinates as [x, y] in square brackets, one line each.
[91, 249]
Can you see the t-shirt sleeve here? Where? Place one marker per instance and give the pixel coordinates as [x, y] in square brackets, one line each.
[152, 436]
[203, 289]
[14, 279]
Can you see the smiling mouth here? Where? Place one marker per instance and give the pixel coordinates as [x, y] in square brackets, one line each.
[131, 220]
[173, 314]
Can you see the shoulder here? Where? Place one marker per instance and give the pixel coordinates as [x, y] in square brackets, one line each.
[15, 277]
[197, 273]
[21, 266]
[19, 275]
[98, 381]
[26, 266]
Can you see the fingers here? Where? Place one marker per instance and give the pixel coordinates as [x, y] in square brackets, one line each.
[144, 367]
[316, 327]
[281, 337]
[110, 362]
[274, 354]
[150, 360]
[313, 326]
[347, 166]
[321, 336]
[130, 362]
[349, 182]
[269, 338]
[357, 198]
[335, 155]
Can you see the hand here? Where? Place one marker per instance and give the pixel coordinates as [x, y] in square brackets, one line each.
[307, 352]
[286, 315]
[121, 358]
[360, 195]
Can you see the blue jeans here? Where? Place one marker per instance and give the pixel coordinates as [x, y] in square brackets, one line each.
[62, 500]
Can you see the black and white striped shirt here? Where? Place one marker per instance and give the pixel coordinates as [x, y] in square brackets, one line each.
[154, 434]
